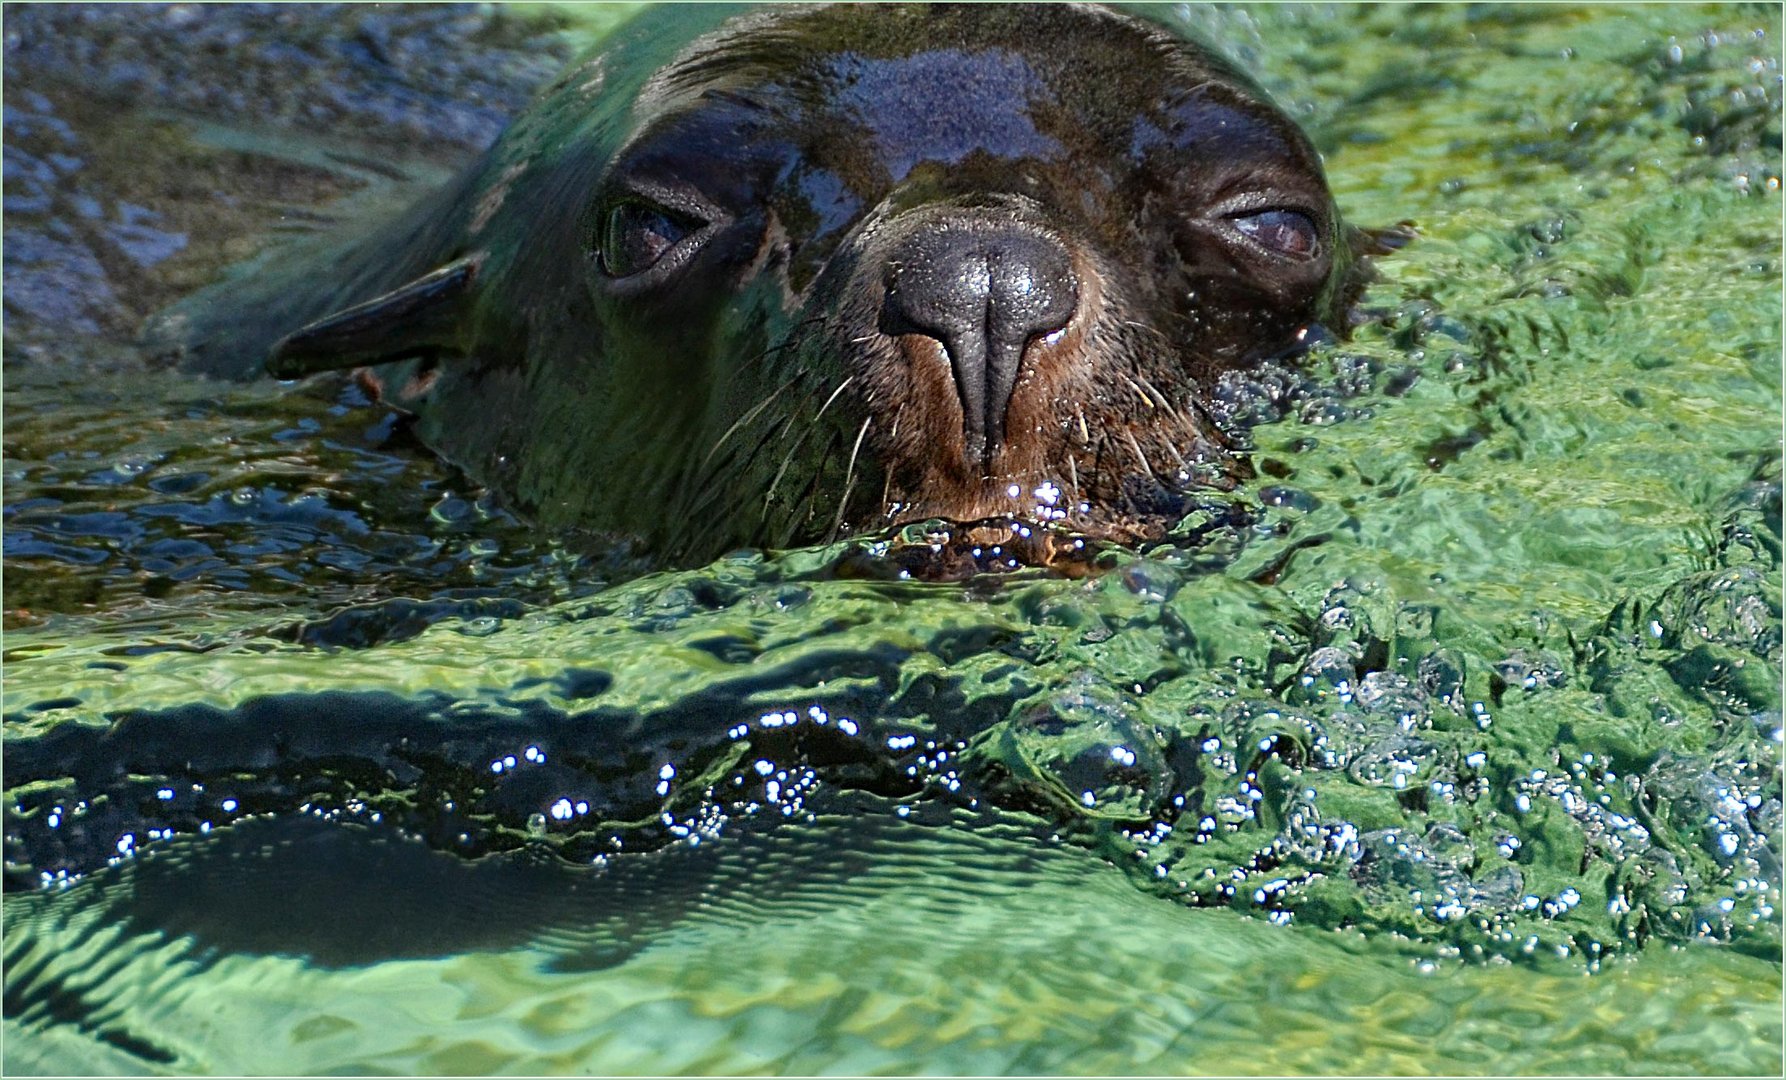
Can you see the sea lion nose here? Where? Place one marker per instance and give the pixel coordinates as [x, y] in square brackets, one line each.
[985, 290]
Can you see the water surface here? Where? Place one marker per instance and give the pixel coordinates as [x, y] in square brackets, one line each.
[1456, 751]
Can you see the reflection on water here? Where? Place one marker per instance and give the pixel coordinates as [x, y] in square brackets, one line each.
[150, 499]
[319, 760]
[861, 943]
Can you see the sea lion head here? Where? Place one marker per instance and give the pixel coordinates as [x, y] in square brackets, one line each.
[823, 269]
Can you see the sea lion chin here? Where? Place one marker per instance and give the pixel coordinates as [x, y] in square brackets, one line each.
[766, 277]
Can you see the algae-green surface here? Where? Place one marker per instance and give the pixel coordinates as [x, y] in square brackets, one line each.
[1462, 757]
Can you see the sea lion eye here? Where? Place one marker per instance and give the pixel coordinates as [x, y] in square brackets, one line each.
[636, 235]
[1289, 233]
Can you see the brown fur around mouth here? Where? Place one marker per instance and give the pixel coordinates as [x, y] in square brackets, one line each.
[1101, 429]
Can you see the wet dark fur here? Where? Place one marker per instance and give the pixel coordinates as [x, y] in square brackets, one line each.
[753, 393]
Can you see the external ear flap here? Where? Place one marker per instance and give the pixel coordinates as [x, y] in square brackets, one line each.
[1364, 246]
[1366, 242]
[421, 318]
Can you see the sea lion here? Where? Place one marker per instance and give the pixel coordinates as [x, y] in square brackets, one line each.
[762, 277]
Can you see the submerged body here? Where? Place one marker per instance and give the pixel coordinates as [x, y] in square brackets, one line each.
[762, 277]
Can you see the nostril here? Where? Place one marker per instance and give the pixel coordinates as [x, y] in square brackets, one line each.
[985, 290]
[1032, 291]
[1009, 285]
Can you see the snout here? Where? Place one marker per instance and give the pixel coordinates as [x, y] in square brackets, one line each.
[983, 285]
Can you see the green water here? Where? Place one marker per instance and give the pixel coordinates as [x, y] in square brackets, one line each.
[1464, 757]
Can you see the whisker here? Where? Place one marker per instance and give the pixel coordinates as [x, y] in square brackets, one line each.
[1172, 448]
[834, 395]
[1097, 457]
[811, 425]
[1140, 393]
[806, 503]
[754, 412]
[1159, 399]
[702, 488]
[709, 491]
[849, 479]
[794, 339]
[1140, 455]
[786, 461]
[887, 474]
